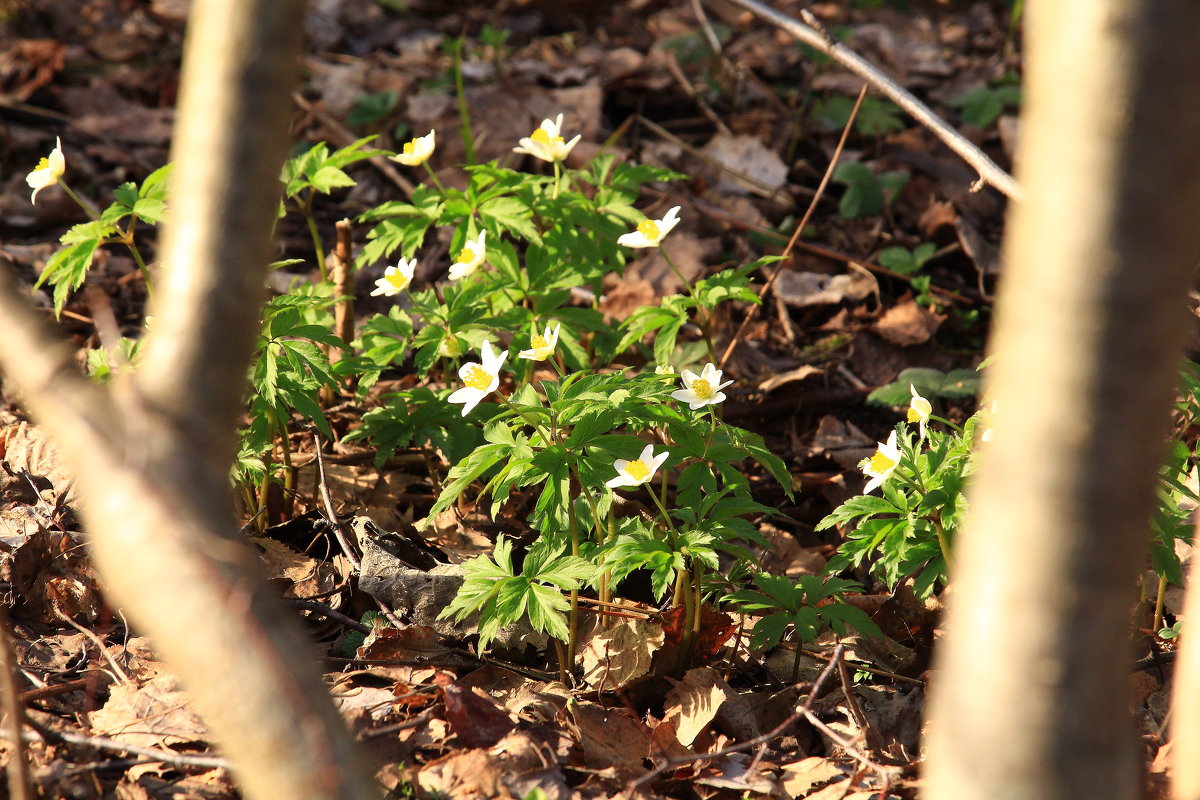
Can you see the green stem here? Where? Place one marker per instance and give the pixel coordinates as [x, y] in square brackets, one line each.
[573, 622]
[557, 180]
[433, 177]
[460, 94]
[688, 284]
[86, 205]
[141, 263]
[943, 543]
[663, 508]
[532, 422]
[946, 422]
[318, 245]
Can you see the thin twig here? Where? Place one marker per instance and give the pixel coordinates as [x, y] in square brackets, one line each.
[323, 610]
[690, 90]
[331, 515]
[122, 676]
[44, 734]
[815, 36]
[787, 251]
[888, 774]
[19, 787]
[869, 734]
[713, 42]
[757, 741]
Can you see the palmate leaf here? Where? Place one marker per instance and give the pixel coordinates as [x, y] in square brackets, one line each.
[859, 506]
[67, 269]
[464, 472]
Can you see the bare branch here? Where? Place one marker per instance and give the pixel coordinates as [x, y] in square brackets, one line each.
[813, 36]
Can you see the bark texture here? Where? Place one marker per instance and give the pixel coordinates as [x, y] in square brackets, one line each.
[1032, 698]
[152, 453]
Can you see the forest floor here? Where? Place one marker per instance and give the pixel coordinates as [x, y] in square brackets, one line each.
[755, 128]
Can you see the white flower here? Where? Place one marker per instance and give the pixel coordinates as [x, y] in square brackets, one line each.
[547, 142]
[651, 232]
[638, 471]
[919, 409]
[395, 279]
[469, 258]
[48, 171]
[879, 467]
[542, 347]
[664, 369]
[416, 152]
[988, 417]
[703, 389]
[480, 379]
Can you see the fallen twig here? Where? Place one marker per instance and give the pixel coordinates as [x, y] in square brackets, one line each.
[19, 787]
[814, 35]
[44, 734]
[816, 198]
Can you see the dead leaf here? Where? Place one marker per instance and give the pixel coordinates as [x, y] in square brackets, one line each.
[619, 655]
[26, 447]
[734, 775]
[800, 289]
[907, 323]
[476, 719]
[302, 576]
[155, 714]
[695, 701]
[51, 574]
[799, 777]
[610, 737]
[715, 630]
[792, 375]
[27, 65]
[412, 643]
[748, 156]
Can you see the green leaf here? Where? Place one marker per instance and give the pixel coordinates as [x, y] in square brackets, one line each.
[463, 473]
[67, 269]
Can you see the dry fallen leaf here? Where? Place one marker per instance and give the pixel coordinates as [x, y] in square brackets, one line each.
[695, 701]
[476, 719]
[155, 714]
[619, 655]
[802, 289]
[748, 156]
[799, 777]
[908, 323]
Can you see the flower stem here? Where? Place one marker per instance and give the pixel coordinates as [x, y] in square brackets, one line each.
[318, 246]
[86, 205]
[943, 542]
[432, 176]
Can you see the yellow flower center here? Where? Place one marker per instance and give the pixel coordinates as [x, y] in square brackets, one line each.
[410, 147]
[914, 415]
[466, 255]
[539, 342]
[44, 163]
[637, 470]
[649, 229]
[397, 279]
[880, 463]
[478, 378]
[702, 389]
[541, 137]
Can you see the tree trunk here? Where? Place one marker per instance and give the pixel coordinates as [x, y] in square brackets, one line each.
[152, 454]
[1031, 697]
